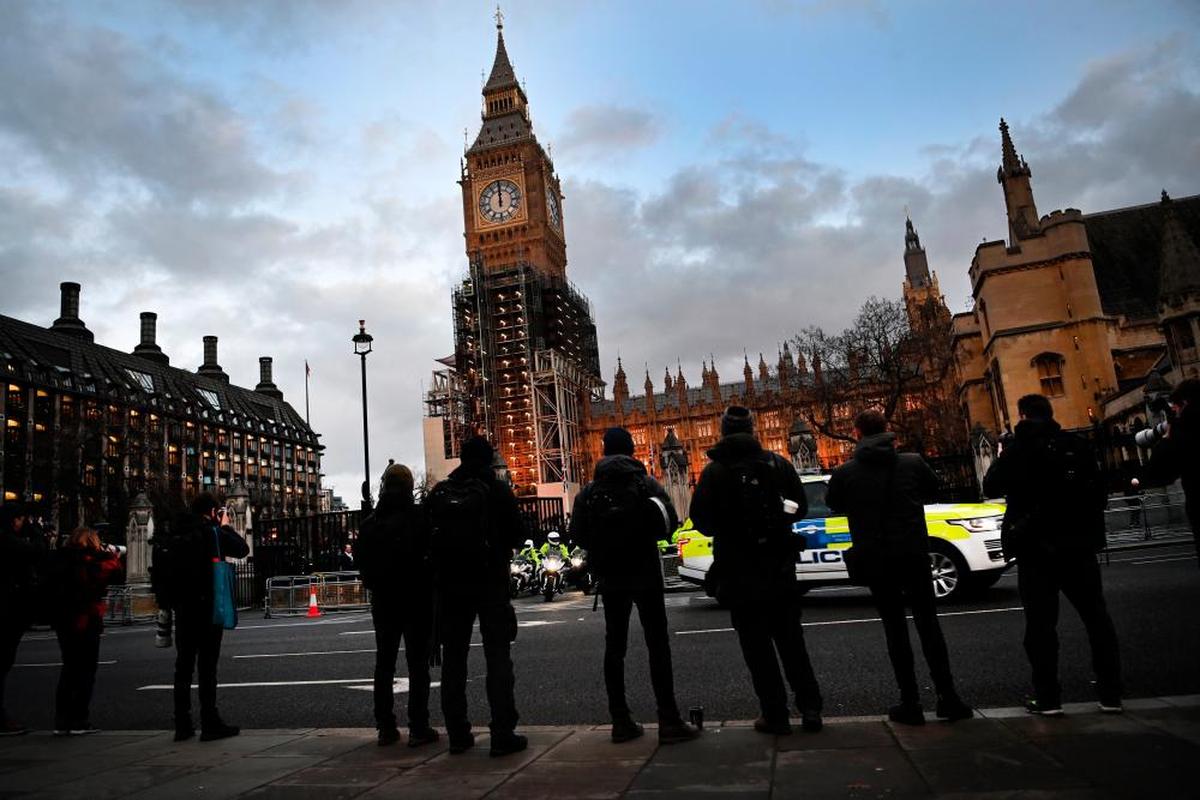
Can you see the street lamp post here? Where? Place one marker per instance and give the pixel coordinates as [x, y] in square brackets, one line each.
[362, 345]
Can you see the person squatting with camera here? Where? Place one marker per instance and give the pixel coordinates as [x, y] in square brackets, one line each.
[1174, 444]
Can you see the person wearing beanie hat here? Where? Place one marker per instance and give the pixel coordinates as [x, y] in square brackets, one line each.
[739, 502]
[618, 442]
[618, 519]
[393, 560]
[476, 528]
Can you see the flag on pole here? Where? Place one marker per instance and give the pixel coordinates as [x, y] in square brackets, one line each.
[307, 374]
[307, 369]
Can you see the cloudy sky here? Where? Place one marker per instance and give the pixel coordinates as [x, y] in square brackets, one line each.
[272, 171]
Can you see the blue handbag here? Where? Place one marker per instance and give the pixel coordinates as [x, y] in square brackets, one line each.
[224, 605]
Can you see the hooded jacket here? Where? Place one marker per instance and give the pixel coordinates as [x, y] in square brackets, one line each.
[738, 553]
[506, 533]
[393, 553]
[1055, 494]
[639, 567]
[883, 494]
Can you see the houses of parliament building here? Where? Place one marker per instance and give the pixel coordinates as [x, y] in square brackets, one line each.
[1088, 309]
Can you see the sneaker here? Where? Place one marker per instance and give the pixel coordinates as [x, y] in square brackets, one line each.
[218, 731]
[773, 727]
[461, 743]
[388, 736]
[810, 720]
[183, 734]
[504, 744]
[1044, 709]
[626, 730]
[1111, 705]
[907, 714]
[12, 728]
[676, 731]
[952, 709]
[420, 737]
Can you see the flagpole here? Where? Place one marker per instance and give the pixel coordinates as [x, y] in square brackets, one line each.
[307, 371]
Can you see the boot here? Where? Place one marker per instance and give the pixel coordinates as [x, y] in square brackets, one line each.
[218, 730]
[461, 742]
[624, 729]
[422, 736]
[504, 744]
[951, 708]
[675, 731]
[773, 727]
[388, 736]
[907, 714]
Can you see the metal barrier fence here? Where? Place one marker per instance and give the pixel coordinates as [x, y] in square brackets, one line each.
[1145, 517]
[335, 591]
[130, 603]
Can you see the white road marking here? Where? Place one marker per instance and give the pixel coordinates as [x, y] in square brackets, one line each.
[308, 653]
[59, 664]
[537, 623]
[861, 621]
[257, 684]
[399, 687]
[1163, 560]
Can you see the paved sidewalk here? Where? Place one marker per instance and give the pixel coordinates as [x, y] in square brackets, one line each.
[1153, 750]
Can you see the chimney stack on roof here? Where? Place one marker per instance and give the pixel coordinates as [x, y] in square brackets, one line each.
[68, 321]
[265, 384]
[148, 347]
[210, 368]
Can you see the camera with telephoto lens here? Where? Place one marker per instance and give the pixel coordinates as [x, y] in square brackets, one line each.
[1149, 437]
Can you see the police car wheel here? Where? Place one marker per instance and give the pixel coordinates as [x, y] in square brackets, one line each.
[950, 574]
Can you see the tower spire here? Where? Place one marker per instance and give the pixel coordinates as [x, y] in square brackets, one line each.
[502, 76]
[1010, 162]
[1014, 174]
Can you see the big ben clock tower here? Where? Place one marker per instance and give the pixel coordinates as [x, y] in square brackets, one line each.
[526, 363]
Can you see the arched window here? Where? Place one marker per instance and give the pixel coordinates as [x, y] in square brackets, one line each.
[1049, 369]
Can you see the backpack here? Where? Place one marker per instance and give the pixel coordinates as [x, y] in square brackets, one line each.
[458, 512]
[626, 520]
[178, 564]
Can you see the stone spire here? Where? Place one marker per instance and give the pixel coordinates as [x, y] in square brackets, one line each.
[916, 265]
[1014, 174]
[620, 386]
[1179, 260]
[668, 381]
[748, 375]
[763, 371]
[503, 76]
[713, 382]
[648, 386]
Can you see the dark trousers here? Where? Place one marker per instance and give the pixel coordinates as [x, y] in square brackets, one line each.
[768, 627]
[652, 611]
[1040, 579]
[12, 628]
[80, 650]
[497, 627]
[197, 647]
[909, 585]
[391, 626]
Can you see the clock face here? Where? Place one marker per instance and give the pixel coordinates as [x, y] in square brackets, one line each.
[499, 201]
[552, 207]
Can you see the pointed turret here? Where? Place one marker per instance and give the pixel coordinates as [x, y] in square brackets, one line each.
[748, 375]
[916, 265]
[505, 105]
[1014, 174]
[668, 381]
[620, 387]
[764, 372]
[648, 387]
[712, 382]
[503, 76]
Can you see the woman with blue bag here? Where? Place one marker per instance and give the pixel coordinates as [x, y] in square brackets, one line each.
[201, 596]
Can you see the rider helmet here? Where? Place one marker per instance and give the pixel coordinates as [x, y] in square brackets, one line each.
[552, 537]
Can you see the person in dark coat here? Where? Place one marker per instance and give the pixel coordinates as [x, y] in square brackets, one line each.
[1177, 455]
[618, 519]
[197, 639]
[1054, 526]
[80, 575]
[471, 581]
[393, 560]
[22, 555]
[739, 502]
[883, 493]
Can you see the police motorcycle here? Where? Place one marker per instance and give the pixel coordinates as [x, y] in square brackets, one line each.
[580, 575]
[522, 571]
[553, 570]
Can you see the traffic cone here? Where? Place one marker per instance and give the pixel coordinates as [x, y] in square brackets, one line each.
[313, 609]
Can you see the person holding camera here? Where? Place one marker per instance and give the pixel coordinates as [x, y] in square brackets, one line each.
[80, 576]
[884, 494]
[747, 500]
[1054, 527]
[198, 539]
[1175, 454]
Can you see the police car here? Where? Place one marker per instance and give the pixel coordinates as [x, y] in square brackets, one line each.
[964, 545]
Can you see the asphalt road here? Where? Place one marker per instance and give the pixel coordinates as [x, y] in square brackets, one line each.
[300, 673]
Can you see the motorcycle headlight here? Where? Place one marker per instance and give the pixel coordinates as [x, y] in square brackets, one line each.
[514, 568]
[978, 524]
[552, 564]
[577, 562]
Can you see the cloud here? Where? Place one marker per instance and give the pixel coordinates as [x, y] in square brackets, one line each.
[605, 131]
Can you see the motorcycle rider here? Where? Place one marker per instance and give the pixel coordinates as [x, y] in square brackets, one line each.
[618, 519]
[554, 545]
[531, 554]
